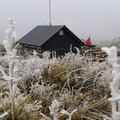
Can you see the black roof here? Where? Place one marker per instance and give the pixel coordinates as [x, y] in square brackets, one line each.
[41, 34]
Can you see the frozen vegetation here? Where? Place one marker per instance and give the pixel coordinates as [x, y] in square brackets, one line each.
[115, 84]
[50, 88]
[109, 43]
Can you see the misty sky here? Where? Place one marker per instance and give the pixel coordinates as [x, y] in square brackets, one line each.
[99, 19]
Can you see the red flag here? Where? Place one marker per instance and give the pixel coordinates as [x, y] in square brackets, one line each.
[88, 41]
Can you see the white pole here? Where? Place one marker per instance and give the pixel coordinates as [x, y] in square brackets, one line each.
[50, 12]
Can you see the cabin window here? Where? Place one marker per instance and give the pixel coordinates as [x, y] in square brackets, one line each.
[61, 32]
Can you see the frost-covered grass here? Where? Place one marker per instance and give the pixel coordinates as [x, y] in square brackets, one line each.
[72, 81]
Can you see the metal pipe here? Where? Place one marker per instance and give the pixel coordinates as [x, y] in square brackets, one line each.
[50, 12]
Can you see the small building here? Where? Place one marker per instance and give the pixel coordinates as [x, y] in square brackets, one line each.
[50, 38]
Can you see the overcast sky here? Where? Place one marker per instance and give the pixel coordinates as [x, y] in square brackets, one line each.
[99, 19]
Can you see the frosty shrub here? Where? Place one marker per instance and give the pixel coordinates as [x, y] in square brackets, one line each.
[71, 80]
[79, 85]
[31, 70]
[26, 108]
[40, 91]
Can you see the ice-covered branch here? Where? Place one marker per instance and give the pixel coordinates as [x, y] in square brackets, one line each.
[10, 38]
[64, 112]
[114, 85]
[112, 54]
[3, 72]
[3, 115]
[54, 109]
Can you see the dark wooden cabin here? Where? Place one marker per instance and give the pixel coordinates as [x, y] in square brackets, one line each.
[50, 38]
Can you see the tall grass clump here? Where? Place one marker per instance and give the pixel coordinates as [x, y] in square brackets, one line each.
[75, 83]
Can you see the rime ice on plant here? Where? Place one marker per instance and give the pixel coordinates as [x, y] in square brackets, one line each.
[114, 85]
[64, 112]
[11, 38]
[54, 108]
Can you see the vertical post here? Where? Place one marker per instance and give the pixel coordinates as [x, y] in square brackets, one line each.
[114, 85]
[50, 12]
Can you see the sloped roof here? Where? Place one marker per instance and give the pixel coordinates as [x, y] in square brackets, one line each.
[41, 34]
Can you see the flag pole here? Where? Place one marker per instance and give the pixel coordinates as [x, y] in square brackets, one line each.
[50, 12]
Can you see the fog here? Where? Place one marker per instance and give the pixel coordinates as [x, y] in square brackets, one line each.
[99, 19]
